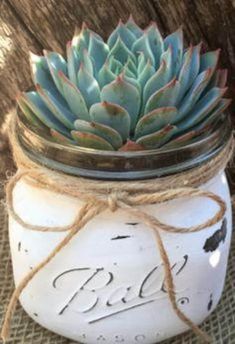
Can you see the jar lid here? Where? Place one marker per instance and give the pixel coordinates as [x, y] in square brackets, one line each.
[119, 165]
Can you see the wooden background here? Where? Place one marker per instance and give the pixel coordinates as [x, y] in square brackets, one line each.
[37, 24]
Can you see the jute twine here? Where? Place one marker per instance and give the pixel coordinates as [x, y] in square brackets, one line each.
[98, 195]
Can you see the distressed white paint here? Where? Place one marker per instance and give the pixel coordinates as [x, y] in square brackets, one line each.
[113, 313]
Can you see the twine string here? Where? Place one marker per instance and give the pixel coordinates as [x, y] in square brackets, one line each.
[127, 196]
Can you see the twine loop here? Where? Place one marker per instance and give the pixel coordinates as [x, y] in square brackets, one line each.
[129, 196]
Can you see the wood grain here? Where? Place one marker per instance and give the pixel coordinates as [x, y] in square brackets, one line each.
[37, 24]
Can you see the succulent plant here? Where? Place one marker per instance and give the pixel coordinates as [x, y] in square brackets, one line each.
[137, 91]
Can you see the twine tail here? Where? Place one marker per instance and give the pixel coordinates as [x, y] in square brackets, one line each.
[171, 291]
[86, 213]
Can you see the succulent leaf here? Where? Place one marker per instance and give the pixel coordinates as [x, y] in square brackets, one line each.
[29, 114]
[60, 138]
[35, 103]
[120, 52]
[121, 31]
[156, 42]
[146, 74]
[143, 45]
[98, 51]
[133, 27]
[73, 63]
[87, 62]
[74, 98]
[156, 82]
[131, 66]
[214, 115]
[55, 63]
[158, 138]
[124, 94]
[209, 60]
[113, 116]
[59, 111]
[105, 76]
[175, 40]
[41, 73]
[155, 120]
[182, 140]
[131, 146]
[90, 140]
[104, 131]
[189, 69]
[202, 108]
[115, 66]
[194, 93]
[88, 86]
[166, 96]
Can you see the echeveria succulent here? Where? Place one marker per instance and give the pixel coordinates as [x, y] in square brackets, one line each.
[137, 91]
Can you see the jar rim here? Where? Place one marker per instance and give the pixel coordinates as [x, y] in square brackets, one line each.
[119, 165]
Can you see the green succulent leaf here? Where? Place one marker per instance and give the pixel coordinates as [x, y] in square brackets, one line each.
[209, 60]
[202, 108]
[142, 44]
[156, 42]
[90, 140]
[88, 86]
[73, 63]
[133, 27]
[60, 138]
[59, 111]
[74, 98]
[114, 65]
[155, 120]
[182, 140]
[158, 138]
[105, 76]
[130, 65]
[104, 131]
[218, 79]
[175, 40]
[131, 81]
[194, 93]
[214, 115]
[120, 52]
[37, 106]
[112, 115]
[121, 31]
[124, 94]
[189, 69]
[29, 114]
[41, 73]
[156, 82]
[146, 74]
[131, 146]
[98, 51]
[166, 96]
[141, 62]
[55, 63]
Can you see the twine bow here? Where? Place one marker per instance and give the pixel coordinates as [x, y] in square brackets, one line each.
[127, 196]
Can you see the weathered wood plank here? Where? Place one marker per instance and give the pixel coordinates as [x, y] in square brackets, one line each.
[15, 41]
[34, 24]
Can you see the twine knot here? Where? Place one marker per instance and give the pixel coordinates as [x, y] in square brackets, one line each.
[114, 198]
[112, 202]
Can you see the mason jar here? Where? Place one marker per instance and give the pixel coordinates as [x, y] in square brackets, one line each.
[107, 284]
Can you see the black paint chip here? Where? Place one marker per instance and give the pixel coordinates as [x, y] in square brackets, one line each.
[213, 242]
[210, 304]
[119, 237]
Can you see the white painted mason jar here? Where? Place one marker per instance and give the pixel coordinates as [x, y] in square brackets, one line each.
[107, 284]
